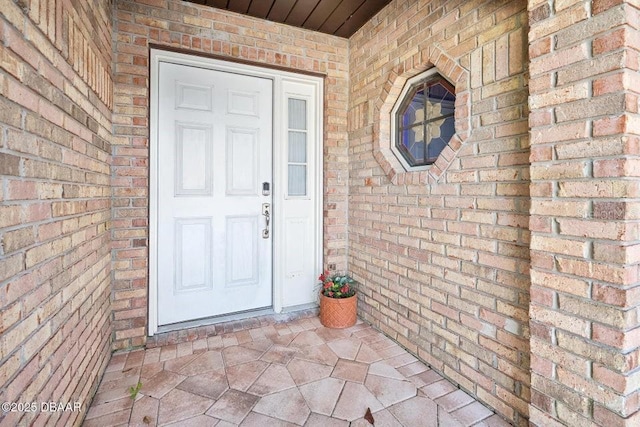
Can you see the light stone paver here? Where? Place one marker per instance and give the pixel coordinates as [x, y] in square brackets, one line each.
[282, 374]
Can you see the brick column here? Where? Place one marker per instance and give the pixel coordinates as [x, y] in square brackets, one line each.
[585, 292]
[56, 96]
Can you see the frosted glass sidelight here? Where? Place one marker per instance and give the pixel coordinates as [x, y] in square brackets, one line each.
[297, 147]
[297, 180]
[297, 114]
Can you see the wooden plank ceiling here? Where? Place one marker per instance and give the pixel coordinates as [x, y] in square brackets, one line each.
[341, 18]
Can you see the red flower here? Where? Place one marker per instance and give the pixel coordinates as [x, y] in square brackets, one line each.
[336, 285]
[324, 276]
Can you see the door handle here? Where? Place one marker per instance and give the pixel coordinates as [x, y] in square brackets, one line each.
[266, 211]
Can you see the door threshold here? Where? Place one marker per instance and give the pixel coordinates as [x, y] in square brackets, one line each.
[228, 324]
[207, 321]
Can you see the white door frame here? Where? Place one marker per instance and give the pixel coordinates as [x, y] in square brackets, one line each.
[281, 80]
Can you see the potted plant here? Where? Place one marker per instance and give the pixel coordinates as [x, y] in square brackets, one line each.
[338, 300]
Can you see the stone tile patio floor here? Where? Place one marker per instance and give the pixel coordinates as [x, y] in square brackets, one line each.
[297, 373]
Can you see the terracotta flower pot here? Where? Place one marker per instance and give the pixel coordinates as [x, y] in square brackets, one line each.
[338, 312]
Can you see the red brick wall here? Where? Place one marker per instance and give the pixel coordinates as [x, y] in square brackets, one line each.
[443, 256]
[585, 290]
[448, 259]
[206, 30]
[55, 127]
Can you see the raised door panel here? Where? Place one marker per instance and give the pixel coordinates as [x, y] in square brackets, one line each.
[193, 97]
[193, 153]
[242, 162]
[192, 251]
[243, 103]
[242, 251]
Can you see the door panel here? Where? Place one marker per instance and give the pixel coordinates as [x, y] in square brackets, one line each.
[242, 250]
[193, 159]
[193, 248]
[214, 152]
[242, 161]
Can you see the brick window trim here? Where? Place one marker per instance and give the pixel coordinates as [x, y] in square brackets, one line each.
[449, 68]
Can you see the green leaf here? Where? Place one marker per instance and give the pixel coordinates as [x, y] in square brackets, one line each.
[133, 391]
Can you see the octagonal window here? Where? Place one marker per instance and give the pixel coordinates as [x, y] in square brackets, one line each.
[424, 120]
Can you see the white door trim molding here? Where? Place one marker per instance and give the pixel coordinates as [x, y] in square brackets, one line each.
[285, 85]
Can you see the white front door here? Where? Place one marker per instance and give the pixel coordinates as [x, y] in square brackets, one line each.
[214, 155]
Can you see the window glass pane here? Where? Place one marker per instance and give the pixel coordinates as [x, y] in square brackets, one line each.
[448, 129]
[439, 134]
[413, 140]
[440, 101]
[297, 180]
[297, 147]
[425, 120]
[414, 111]
[297, 114]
